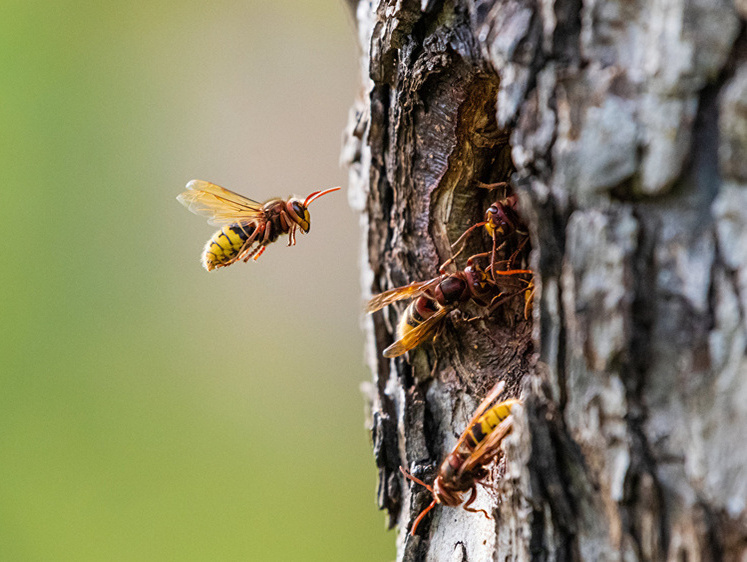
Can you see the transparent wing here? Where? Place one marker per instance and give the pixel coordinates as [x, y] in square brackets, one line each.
[400, 293]
[488, 448]
[220, 205]
[481, 409]
[417, 335]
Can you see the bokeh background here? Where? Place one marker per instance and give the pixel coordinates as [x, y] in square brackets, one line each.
[150, 410]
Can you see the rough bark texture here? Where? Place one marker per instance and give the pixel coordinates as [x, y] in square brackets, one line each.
[622, 125]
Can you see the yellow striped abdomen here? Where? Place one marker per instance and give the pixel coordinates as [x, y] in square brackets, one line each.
[491, 419]
[417, 312]
[225, 245]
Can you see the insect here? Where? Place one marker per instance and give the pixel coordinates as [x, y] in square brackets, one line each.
[465, 466]
[501, 220]
[433, 300]
[247, 227]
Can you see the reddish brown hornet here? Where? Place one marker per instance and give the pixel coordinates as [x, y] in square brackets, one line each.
[501, 220]
[465, 466]
[249, 226]
[434, 299]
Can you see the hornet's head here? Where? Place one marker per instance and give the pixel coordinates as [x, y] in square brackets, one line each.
[501, 218]
[299, 212]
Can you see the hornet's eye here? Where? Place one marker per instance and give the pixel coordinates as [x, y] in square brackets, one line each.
[298, 209]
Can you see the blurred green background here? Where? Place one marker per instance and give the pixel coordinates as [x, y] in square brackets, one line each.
[150, 410]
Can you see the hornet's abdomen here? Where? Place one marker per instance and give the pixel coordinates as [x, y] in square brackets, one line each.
[417, 312]
[225, 245]
[486, 423]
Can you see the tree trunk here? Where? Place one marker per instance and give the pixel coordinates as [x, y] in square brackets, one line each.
[622, 126]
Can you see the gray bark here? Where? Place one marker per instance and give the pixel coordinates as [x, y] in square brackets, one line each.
[623, 128]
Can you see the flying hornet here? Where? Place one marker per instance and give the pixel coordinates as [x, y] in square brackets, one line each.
[247, 227]
[434, 299]
[465, 466]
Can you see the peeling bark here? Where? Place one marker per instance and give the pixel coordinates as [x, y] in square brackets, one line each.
[622, 126]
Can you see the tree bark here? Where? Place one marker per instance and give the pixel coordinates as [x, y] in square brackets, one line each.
[622, 126]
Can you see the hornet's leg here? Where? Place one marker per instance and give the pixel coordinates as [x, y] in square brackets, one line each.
[503, 184]
[245, 246]
[256, 257]
[492, 259]
[466, 232]
[268, 234]
[249, 254]
[447, 263]
[286, 222]
[472, 498]
[253, 253]
[516, 253]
